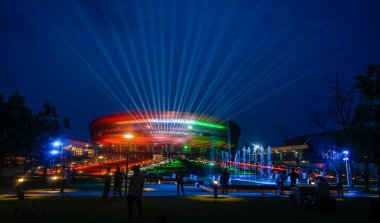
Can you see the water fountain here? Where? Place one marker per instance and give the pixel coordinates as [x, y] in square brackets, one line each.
[269, 153]
[249, 161]
[248, 166]
[237, 160]
[255, 160]
[244, 167]
[262, 162]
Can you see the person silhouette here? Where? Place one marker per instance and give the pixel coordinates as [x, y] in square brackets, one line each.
[135, 192]
[366, 180]
[225, 176]
[107, 183]
[339, 183]
[179, 180]
[118, 182]
[293, 178]
[64, 178]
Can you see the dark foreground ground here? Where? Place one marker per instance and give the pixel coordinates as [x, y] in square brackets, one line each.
[190, 209]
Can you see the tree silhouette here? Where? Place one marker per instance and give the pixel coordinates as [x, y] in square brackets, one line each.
[368, 112]
[23, 132]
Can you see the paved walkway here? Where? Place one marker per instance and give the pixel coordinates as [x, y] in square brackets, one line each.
[165, 190]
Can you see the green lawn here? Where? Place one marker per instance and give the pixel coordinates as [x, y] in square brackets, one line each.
[190, 209]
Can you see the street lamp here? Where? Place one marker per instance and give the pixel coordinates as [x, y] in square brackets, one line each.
[57, 144]
[100, 164]
[348, 168]
[128, 137]
[53, 153]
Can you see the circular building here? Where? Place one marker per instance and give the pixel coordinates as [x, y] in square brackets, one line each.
[152, 129]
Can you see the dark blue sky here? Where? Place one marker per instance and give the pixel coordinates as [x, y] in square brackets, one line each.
[261, 63]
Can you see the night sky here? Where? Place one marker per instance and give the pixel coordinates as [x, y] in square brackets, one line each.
[263, 64]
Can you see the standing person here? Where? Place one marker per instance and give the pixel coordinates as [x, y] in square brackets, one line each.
[64, 178]
[74, 174]
[45, 172]
[366, 180]
[117, 182]
[179, 179]
[135, 191]
[293, 178]
[323, 192]
[277, 180]
[107, 183]
[378, 182]
[282, 182]
[311, 177]
[280, 179]
[224, 180]
[339, 183]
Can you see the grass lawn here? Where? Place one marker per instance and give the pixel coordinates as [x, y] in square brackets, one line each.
[189, 209]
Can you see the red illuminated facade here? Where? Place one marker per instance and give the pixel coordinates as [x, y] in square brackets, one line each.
[163, 128]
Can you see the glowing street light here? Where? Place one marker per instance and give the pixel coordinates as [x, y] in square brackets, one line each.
[20, 183]
[57, 143]
[129, 137]
[54, 152]
[348, 168]
[100, 164]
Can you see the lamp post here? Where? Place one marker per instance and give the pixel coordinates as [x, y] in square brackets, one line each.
[100, 164]
[128, 137]
[53, 153]
[348, 167]
[58, 145]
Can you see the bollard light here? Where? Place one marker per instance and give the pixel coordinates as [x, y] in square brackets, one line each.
[215, 188]
[20, 184]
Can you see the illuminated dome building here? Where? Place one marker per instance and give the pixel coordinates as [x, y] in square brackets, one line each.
[162, 130]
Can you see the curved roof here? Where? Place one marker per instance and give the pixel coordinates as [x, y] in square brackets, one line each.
[166, 127]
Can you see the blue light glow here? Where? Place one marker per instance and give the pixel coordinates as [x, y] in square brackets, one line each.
[54, 152]
[57, 143]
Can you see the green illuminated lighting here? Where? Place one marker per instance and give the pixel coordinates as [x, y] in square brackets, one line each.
[189, 122]
[209, 124]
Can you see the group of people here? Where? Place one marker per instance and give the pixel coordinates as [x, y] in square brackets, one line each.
[135, 188]
[62, 177]
[281, 177]
[118, 177]
[224, 181]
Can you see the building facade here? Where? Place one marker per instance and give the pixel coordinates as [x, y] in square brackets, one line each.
[164, 130]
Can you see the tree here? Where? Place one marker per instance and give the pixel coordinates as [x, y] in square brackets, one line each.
[368, 112]
[329, 146]
[343, 102]
[22, 132]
